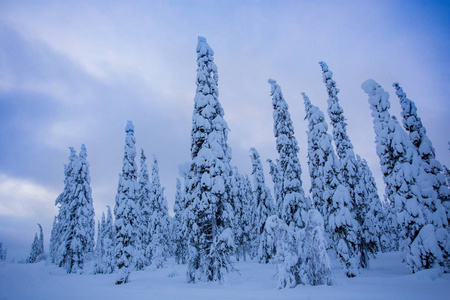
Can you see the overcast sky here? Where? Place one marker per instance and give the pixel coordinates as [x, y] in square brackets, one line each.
[74, 72]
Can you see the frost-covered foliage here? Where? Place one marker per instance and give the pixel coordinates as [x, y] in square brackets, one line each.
[350, 168]
[435, 211]
[295, 203]
[158, 248]
[104, 261]
[60, 230]
[330, 197]
[127, 213]
[37, 248]
[209, 202]
[316, 266]
[72, 240]
[322, 161]
[343, 231]
[301, 257]
[145, 207]
[3, 252]
[264, 206]
[268, 240]
[180, 244]
[275, 173]
[371, 226]
[243, 210]
[407, 184]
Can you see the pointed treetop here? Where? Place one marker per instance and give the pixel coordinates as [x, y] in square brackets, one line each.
[203, 48]
[73, 154]
[307, 102]
[130, 127]
[83, 152]
[143, 157]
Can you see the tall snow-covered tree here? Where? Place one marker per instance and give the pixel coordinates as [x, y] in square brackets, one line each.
[435, 211]
[145, 206]
[322, 162]
[264, 207]
[157, 249]
[179, 240]
[295, 203]
[274, 171]
[126, 211]
[60, 229]
[350, 168]
[208, 185]
[78, 239]
[252, 234]
[402, 168]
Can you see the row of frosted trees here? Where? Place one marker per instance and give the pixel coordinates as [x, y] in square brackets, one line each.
[219, 216]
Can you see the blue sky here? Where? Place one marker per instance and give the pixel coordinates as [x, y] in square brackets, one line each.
[74, 72]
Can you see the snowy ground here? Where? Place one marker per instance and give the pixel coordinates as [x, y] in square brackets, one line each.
[388, 278]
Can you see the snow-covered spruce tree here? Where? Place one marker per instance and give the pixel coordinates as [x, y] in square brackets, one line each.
[435, 212]
[295, 203]
[126, 212]
[242, 215]
[145, 206]
[252, 234]
[401, 167]
[349, 166]
[78, 241]
[179, 240]
[322, 162]
[264, 207]
[3, 252]
[316, 266]
[54, 240]
[37, 248]
[275, 173]
[211, 241]
[60, 230]
[108, 244]
[157, 249]
[99, 246]
[373, 223]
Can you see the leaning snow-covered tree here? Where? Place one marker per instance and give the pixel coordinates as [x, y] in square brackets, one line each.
[349, 167]
[435, 211]
[405, 179]
[126, 212]
[158, 247]
[264, 207]
[295, 203]
[208, 184]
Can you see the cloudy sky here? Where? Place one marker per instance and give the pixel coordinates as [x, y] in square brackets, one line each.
[74, 72]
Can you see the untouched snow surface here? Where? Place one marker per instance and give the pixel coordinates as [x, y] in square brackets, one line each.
[388, 278]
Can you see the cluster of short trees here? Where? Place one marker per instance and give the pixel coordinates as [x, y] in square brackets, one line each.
[220, 216]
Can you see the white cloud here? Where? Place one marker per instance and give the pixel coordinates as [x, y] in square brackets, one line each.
[24, 198]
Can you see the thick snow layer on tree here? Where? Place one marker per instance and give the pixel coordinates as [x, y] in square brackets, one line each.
[387, 278]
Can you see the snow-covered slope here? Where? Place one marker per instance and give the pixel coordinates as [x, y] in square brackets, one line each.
[388, 278]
